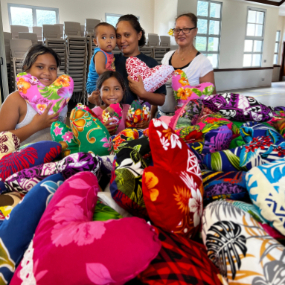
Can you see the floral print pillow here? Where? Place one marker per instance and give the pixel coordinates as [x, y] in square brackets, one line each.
[40, 96]
[66, 230]
[172, 188]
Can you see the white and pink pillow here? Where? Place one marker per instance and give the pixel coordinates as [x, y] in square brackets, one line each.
[153, 78]
[69, 248]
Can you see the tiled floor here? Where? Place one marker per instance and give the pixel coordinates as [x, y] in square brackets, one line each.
[274, 96]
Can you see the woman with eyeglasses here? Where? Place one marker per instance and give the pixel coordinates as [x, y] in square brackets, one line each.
[197, 67]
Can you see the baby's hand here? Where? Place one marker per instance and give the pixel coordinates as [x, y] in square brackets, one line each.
[44, 120]
[94, 98]
[110, 126]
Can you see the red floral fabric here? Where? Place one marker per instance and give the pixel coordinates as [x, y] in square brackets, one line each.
[172, 188]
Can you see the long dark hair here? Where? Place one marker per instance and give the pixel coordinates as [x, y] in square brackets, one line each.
[34, 52]
[191, 16]
[133, 20]
[108, 74]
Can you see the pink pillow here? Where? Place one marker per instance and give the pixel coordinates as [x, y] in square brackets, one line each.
[183, 91]
[40, 96]
[153, 78]
[69, 248]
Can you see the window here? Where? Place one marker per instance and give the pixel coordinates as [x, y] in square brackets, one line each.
[209, 30]
[253, 44]
[112, 18]
[276, 48]
[31, 15]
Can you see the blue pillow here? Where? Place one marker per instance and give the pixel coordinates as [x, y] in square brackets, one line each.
[17, 230]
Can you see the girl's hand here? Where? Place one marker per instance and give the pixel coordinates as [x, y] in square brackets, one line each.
[110, 127]
[142, 125]
[137, 87]
[94, 98]
[44, 120]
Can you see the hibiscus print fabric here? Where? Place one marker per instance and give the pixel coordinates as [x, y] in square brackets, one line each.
[87, 133]
[40, 96]
[238, 107]
[66, 229]
[172, 187]
[33, 155]
[239, 246]
[183, 91]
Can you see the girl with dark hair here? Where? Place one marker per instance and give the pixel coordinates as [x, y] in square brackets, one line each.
[16, 115]
[112, 89]
[131, 36]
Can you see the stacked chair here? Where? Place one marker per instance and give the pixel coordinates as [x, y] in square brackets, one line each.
[76, 59]
[52, 37]
[39, 32]
[18, 48]
[7, 38]
[29, 36]
[16, 29]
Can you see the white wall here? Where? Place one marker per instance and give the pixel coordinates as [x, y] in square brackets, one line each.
[165, 12]
[281, 27]
[79, 10]
[233, 33]
[4, 82]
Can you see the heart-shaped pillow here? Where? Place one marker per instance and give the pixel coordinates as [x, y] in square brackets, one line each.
[111, 252]
[112, 112]
[40, 96]
[153, 78]
[137, 113]
[183, 90]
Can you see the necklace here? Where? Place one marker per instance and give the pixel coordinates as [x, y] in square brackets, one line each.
[181, 58]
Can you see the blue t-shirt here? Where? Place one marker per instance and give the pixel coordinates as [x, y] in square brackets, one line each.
[92, 74]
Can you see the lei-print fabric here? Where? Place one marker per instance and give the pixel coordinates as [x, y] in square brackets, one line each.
[66, 230]
[265, 185]
[87, 133]
[172, 188]
[40, 96]
[8, 143]
[183, 91]
[240, 248]
[238, 107]
[153, 78]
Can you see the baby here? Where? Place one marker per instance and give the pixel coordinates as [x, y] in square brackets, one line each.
[103, 59]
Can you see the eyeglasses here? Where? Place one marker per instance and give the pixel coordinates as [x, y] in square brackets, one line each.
[184, 30]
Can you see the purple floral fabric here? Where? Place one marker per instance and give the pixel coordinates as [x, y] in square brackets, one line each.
[238, 107]
[221, 185]
[24, 180]
[217, 140]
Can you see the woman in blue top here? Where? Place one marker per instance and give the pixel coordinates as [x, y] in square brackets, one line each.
[131, 36]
